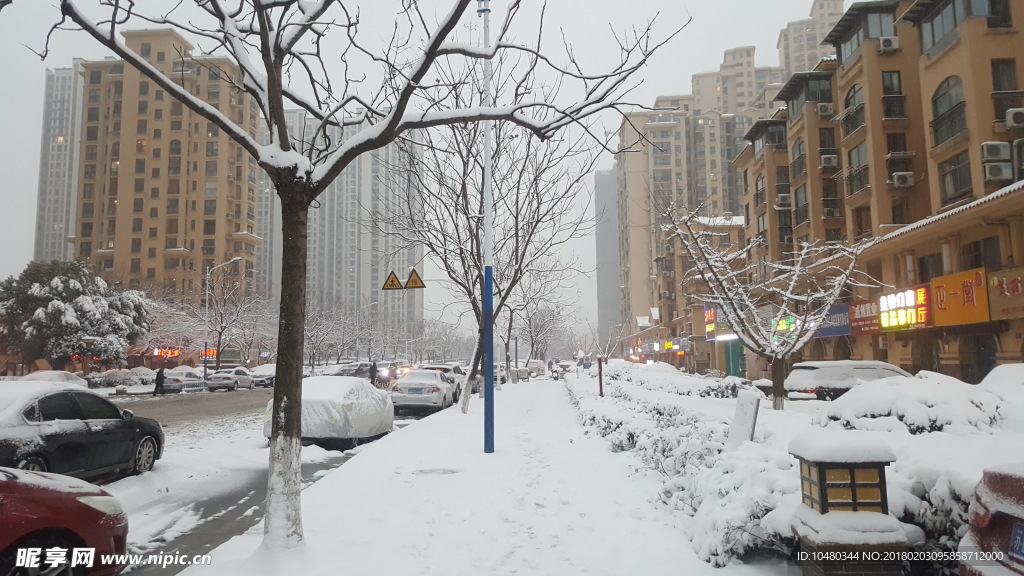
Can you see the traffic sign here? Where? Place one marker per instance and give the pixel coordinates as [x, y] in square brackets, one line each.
[392, 283]
[414, 280]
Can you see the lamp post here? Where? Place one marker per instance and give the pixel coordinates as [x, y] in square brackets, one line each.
[206, 308]
[484, 10]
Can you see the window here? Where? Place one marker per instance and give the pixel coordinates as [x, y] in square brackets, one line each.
[172, 226]
[210, 208]
[211, 168]
[949, 118]
[175, 108]
[937, 29]
[141, 127]
[95, 77]
[854, 97]
[90, 171]
[92, 115]
[981, 254]
[143, 107]
[210, 188]
[161, 56]
[929, 267]
[60, 406]
[212, 131]
[896, 142]
[136, 225]
[136, 245]
[143, 88]
[213, 92]
[172, 205]
[955, 177]
[211, 149]
[879, 24]
[88, 190]
[140, 185]
[145, 50]
[154, 212]
[140, 165]
[137, 205]
[175, 149]
[85, 249]
[173, 169]
[92, 133]
[157, 133]
[827, 140]
[1004, 79]
[135, 266]
[152, 232]
[209, 227]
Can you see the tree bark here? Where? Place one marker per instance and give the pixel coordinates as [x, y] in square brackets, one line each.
[778, 380]
[283, 523]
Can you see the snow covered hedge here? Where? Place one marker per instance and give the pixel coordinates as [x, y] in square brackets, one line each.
[666, 378]
[117, 377]
[929, 402]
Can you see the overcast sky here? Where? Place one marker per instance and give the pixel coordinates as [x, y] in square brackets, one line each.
[716, 26]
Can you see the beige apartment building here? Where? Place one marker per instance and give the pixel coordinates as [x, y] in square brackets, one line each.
[925, 153]
[163, 194]
[800, 42]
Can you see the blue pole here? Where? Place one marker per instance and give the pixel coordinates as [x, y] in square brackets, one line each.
[488, 313]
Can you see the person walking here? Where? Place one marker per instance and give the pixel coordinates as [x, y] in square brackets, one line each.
[160, 378]
[373, 374]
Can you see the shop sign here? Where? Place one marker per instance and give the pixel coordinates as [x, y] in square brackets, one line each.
[836, 322]
[1006, 294]
[709, 323]
[864, 317]
[960, 298]
[905, 309]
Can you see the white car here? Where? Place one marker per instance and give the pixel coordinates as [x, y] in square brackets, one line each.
[422, 389]
[830, 379]
[340, 412]
[183, 379]
[55, 376]
[452, 374]
[229, 379]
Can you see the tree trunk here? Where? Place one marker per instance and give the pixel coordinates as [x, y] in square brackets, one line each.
[283, 520]
[220, 340]
[778, 380]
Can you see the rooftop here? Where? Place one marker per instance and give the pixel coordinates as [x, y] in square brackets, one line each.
[852, 18]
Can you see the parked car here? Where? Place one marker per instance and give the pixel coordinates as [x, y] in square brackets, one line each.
[48, 511]
[536, 367]
[454, 375]
[183, 379]
[996, 523]
[229, 379]
[355, 370]
[340, 412]
[423, 389]
[830, 379]
[265, 374]
[55, 376]
[60, 427]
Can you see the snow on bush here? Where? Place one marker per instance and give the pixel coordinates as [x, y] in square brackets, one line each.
[929, 402]
[666, 378]
[145, 375]
[112, 378]
[740, 500]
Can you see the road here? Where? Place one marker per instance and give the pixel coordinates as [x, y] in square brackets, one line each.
[172, 409]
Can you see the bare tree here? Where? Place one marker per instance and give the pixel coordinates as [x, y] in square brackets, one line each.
[256, 333]
[283, 62]
[795, 293]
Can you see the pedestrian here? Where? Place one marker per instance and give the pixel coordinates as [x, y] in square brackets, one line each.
[159, 382]
[373, 374]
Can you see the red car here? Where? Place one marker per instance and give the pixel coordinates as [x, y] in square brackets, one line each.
[997, 524]
[40, 511]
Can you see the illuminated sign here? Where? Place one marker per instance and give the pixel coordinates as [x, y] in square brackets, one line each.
[904, 309]
[835, 323]
[709, 323]
[166, 352]
[960, 298]
[863, 318]
[787, 324]
[208, 354]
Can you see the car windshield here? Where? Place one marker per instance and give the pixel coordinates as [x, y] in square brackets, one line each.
[803, 375]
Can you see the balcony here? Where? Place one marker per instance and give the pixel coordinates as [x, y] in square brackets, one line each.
[798, 167]
[801, 215]
[852, 119]
[856, 180]
[1003, 101]
[949, 124]
[894, 106]
[662, 119]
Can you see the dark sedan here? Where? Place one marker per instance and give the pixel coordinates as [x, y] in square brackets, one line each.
[62, 428]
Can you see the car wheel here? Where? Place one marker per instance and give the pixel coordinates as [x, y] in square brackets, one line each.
[234, 388]
[32, 464]
[8, 561]
[145, 456]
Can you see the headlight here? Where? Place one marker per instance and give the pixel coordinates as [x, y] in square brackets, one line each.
[106, 504]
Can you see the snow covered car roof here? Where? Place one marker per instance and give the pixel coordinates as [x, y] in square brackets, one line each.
[15, 394]
[846, 363]
[265, 370]
[340, 407]
[54, 376]
[421, 376]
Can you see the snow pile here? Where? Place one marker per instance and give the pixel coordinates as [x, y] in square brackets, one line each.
[1007, 382]
[145, 375]
[666, 378]
[851, 528]
[930, 402]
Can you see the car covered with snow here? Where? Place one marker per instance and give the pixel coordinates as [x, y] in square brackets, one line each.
[423, 389]
[264, 375]
[229, 379]
[829, 379]
[48, 511]
[63, 428]
[54, 376]
[340, 412]
[994, 543]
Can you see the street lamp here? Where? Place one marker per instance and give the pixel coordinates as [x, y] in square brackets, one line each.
[487, 311]
[208, 293]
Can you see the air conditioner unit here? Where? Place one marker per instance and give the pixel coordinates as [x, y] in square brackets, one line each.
[830, 161]
[902, 179]
[788, 239]
[1015, 117]
[888, 44]
[995, 151]
[783, 200]
[664, 294]
[826, 109]
[998, 171]
[833, 212]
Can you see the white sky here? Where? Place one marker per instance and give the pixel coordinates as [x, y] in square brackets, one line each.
[716, 26]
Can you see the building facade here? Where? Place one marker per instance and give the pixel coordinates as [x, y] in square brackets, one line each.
[163, 195]
[58, 163]
[606, 234]
[800, 42]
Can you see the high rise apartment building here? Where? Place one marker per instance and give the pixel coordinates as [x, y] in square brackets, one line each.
[58, 163]
[800, 42]
[606, 234]
[163, 194]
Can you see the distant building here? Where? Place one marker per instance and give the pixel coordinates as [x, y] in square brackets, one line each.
[609, 295]
[800, 42]
[58, 163]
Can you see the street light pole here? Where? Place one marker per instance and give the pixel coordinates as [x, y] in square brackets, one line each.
[484, 10]
[207, 293]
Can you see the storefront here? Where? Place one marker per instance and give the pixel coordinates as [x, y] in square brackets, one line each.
[832, 338]
[727, 355]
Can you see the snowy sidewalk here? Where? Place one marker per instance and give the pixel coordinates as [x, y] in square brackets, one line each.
[426, 500]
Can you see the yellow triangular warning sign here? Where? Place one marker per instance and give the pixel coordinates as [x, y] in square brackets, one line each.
[392, 283]
[414, 280]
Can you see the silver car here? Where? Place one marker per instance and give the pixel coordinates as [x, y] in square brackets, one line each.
[422, 389]
[229, 379]
[183, 379]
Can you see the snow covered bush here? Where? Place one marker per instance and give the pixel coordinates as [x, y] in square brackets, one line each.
[145, 375]
[116, 377]
[929, 402]
[667, 378]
